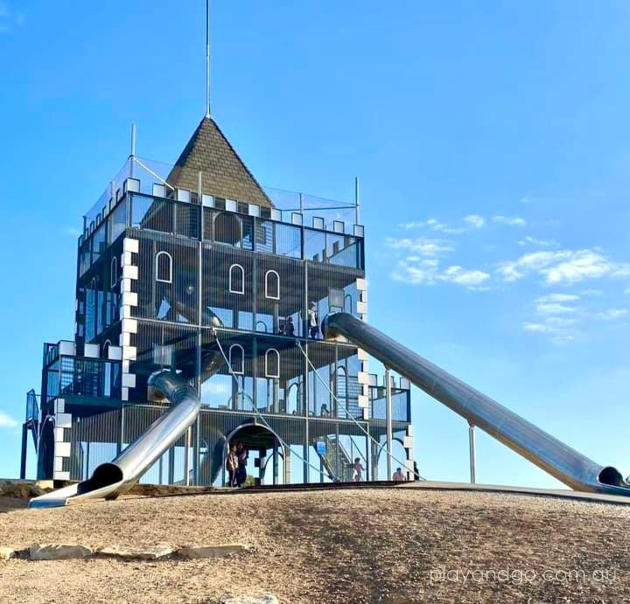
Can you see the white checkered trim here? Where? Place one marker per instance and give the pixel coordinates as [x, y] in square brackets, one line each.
[62, 447]
[129, 325]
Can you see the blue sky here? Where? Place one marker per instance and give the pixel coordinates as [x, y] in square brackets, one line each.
[493, 146]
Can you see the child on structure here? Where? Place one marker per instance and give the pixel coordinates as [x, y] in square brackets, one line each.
[313, 321]
[398, 475]
[289, 328]
[231, 465]
[358, 469]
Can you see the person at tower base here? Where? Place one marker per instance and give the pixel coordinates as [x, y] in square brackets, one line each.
[313, 321]
[241, 471]
[398, 476]
[231, 465]
[357, 469]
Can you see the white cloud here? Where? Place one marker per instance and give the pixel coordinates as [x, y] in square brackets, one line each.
[553, 298]
[613, 313]
[414, 224]
[426, 271]
[419, 245]
[554, 309]
[563, 267]
[461, 276]
[6, 421]
[73, 232]
[475, 221]
[528, 240]
[510, 220]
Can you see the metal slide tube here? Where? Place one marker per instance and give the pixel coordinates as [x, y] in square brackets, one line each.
[114, 478]
[542, 449]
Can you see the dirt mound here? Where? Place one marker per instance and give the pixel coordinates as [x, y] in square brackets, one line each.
[362, 546]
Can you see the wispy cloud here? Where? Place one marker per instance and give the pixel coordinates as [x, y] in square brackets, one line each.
[426, 271]
[529, 240]
[613, 313]
[6, 421]
[563, 267]
[420, 245]
[72, 231]
[471, 222]
[510, 220]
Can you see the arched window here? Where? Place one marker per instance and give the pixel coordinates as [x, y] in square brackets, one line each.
[272, 363]
[272, 285]
[237, 279]
[236, 356]
[163, 267]
[228, 229]
[114, 272]
[106, 346]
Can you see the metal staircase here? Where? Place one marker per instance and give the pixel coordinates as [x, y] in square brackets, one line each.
[336, 451]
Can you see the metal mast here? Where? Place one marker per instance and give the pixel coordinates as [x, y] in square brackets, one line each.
[207, 58]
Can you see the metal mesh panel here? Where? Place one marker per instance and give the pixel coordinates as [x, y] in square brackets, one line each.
[233, 309]
[94, 439]
[152, 213]
[173, 300]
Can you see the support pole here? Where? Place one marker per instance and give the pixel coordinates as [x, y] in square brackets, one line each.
[24, 451]
[473, 456]
[388, 420]
[207, 58]
[357, 204]
[187, 458]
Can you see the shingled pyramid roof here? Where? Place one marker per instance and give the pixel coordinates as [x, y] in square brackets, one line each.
[223, 172]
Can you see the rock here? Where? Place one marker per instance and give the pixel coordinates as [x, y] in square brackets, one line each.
[194, 552]
[150, 552]
[264, 599]
[58, 551]
[6, 553]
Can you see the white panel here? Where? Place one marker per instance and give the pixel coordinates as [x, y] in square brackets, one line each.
[62, 449]
[130, 272]
[125, 312]
[231, 205]
[363, 317]
[130, 299]
[131, 245]
[67, 348]
[114, 353]
[363, 295]
[128, 380]
[410, 430]
[124, 340]
[361, 307]
[183, 195]
[364, 366]
[207, 200]
[159, 190]
[362, 355]
[129, 353]
[409, 465]
[124, 394]
[297, 218]
[125, 366]
[125, 259]
[63, 420]
[254, 210]
[133, 185]
[359, 230]
[130, 325]
[275, 214]
[363, 401]
[92, 351]
[61, 476]
[408, 442]
[60, 406]
[58, 464]
[361, 284]
[58, 435]
[363, 378]
[366, 413]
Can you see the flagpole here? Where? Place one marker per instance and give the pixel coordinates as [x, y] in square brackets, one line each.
[207, 58]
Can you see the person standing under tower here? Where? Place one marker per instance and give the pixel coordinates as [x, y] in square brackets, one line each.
[313, 321]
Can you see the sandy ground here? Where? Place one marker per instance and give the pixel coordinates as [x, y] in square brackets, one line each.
[371, 545]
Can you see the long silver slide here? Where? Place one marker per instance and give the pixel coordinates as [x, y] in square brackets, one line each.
[556, 458]
[114, 478]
